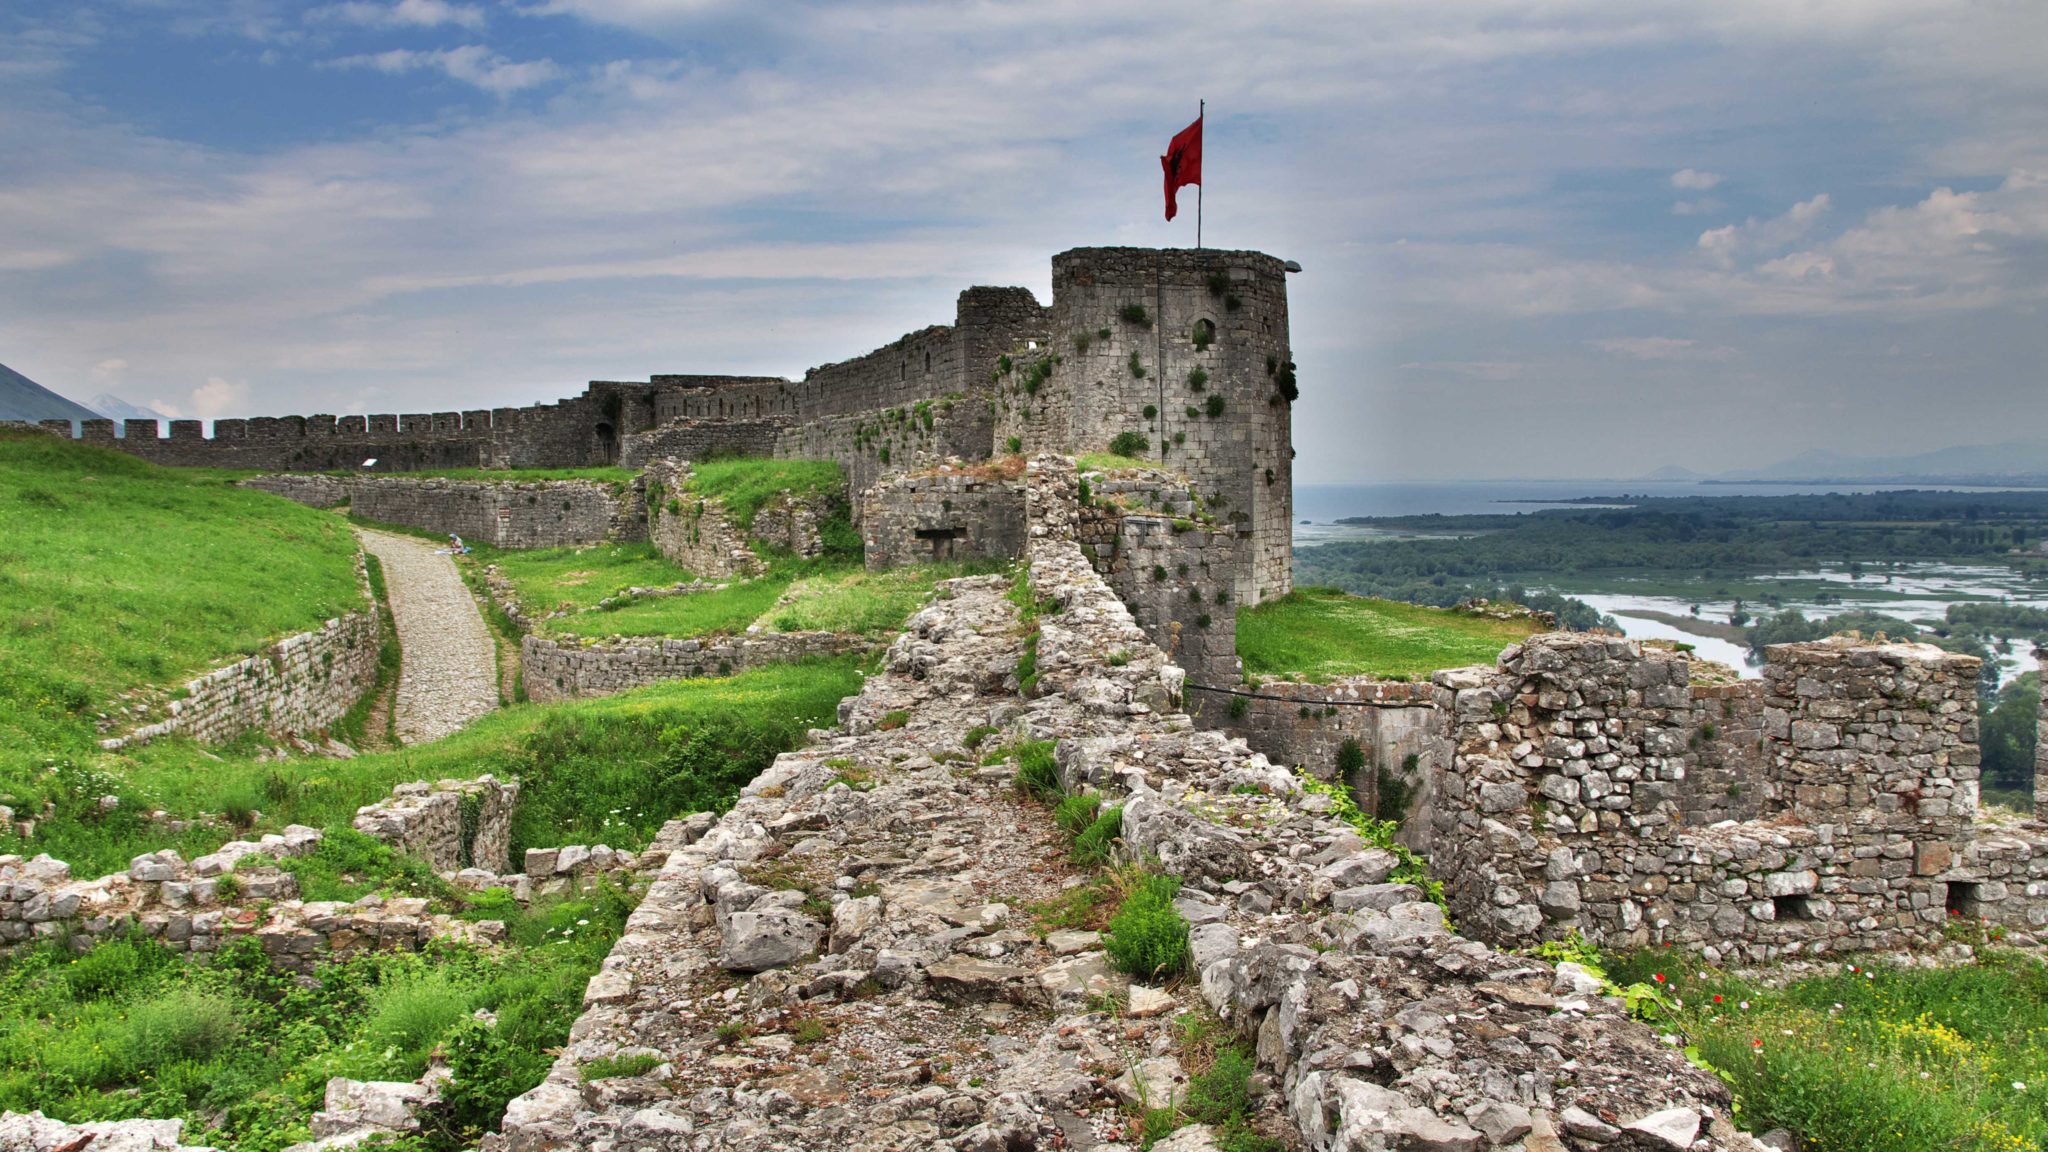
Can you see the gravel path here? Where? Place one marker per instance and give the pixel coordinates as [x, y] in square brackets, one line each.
[450, 674]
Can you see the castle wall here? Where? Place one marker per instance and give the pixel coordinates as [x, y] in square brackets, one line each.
[561, 670]
[1307, 725]
[705, 439]
[873, 445]
[300, 684]
[945, 515]
[526, 514]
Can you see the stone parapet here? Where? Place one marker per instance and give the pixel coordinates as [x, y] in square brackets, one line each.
[504, 514]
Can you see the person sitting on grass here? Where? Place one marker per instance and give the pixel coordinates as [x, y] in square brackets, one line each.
[456, 546]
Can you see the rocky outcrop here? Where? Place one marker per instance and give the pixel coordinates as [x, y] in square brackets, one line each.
[853, 957]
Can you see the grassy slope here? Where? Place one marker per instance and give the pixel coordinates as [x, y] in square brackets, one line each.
[1318, 633]
[744, 484]
[548, 578]
[1877, 1059]
[608, 770]
[115, 573]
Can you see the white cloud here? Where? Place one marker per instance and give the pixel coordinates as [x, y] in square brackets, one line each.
[1659, 348]
[1693, 180]
[1725, 244]
[110, 369]
[1704, 206]
[213, 399]
[470, 64]
[403, 14]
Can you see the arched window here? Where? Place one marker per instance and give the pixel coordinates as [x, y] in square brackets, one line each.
[1204, 333]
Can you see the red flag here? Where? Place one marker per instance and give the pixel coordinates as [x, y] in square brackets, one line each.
[1183, 163]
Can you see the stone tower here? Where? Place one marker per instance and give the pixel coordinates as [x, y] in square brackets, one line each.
[1187, 348]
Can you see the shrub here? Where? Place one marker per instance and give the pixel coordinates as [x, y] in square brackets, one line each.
[1136, 314]
[1013, 445]
[184, 1024]
[608, 1067]
[1350, 758]
[1137, 367]
[1238, 707]
[1038, 774]
[1094, 843]
[1289, 389]
[1077, 812]
[1204, 334]
[1147, 936]
[409, 1016]
[1198, 379]
[1218, 283]
[1151, 411]
[1214, 405]
[1080, 342]
[1131, 444]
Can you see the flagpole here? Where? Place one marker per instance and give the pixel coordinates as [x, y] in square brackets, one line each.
[1201, 110]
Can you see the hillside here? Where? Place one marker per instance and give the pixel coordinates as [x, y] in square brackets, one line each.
[23, 399]
[115, 573]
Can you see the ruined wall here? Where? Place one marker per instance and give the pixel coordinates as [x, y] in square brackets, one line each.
[450, 824]
[312, 491]
[1564, 805]
[300, 684]
[1181, 574]
[696, 533]
[1227, 429]
[1307, 726]
[2041, 750]
[505, 514]
[563, 669]
[943, 515]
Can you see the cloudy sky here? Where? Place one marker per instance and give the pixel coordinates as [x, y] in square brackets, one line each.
[1547, 238]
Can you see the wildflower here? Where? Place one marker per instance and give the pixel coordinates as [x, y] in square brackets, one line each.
[1717, 997]
[1744, 1005]
[2019, 1085]
[1657, 976]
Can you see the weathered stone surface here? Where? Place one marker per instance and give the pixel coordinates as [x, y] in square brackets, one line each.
[757, 941]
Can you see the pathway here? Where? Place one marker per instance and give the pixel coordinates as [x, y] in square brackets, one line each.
[450, 673]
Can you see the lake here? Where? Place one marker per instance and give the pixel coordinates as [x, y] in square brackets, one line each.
[1918, 593]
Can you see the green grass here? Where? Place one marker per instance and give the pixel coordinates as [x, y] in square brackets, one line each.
[1320, 633]
[1111, 462]
[724, 612]
[856, 600]
[242, 1051]
[607, 770]
[550, 578]
[1147, 936]
[115, 574]
[1871, 1059]
[743, 485]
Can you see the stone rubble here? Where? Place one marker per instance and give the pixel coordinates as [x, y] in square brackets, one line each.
[848, 959]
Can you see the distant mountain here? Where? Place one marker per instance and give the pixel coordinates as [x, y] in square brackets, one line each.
[23, 399]
[114, 408]
[1672, 472]
[2012, 459]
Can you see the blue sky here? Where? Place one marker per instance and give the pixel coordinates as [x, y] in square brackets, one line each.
[1566, 238]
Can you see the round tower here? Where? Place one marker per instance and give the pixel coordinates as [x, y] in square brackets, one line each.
[1188, 349]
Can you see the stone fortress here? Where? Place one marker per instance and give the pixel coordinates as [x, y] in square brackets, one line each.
[1582, 784]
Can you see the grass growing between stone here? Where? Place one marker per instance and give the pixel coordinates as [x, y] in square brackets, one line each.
[609, 770]
[242, 1051]
[859, 601]
[618, 478]
[1870, 1058]
[1319, 634]
[116, 574]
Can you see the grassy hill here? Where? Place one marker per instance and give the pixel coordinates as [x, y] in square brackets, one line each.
[116, 573]
[1321, 634]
